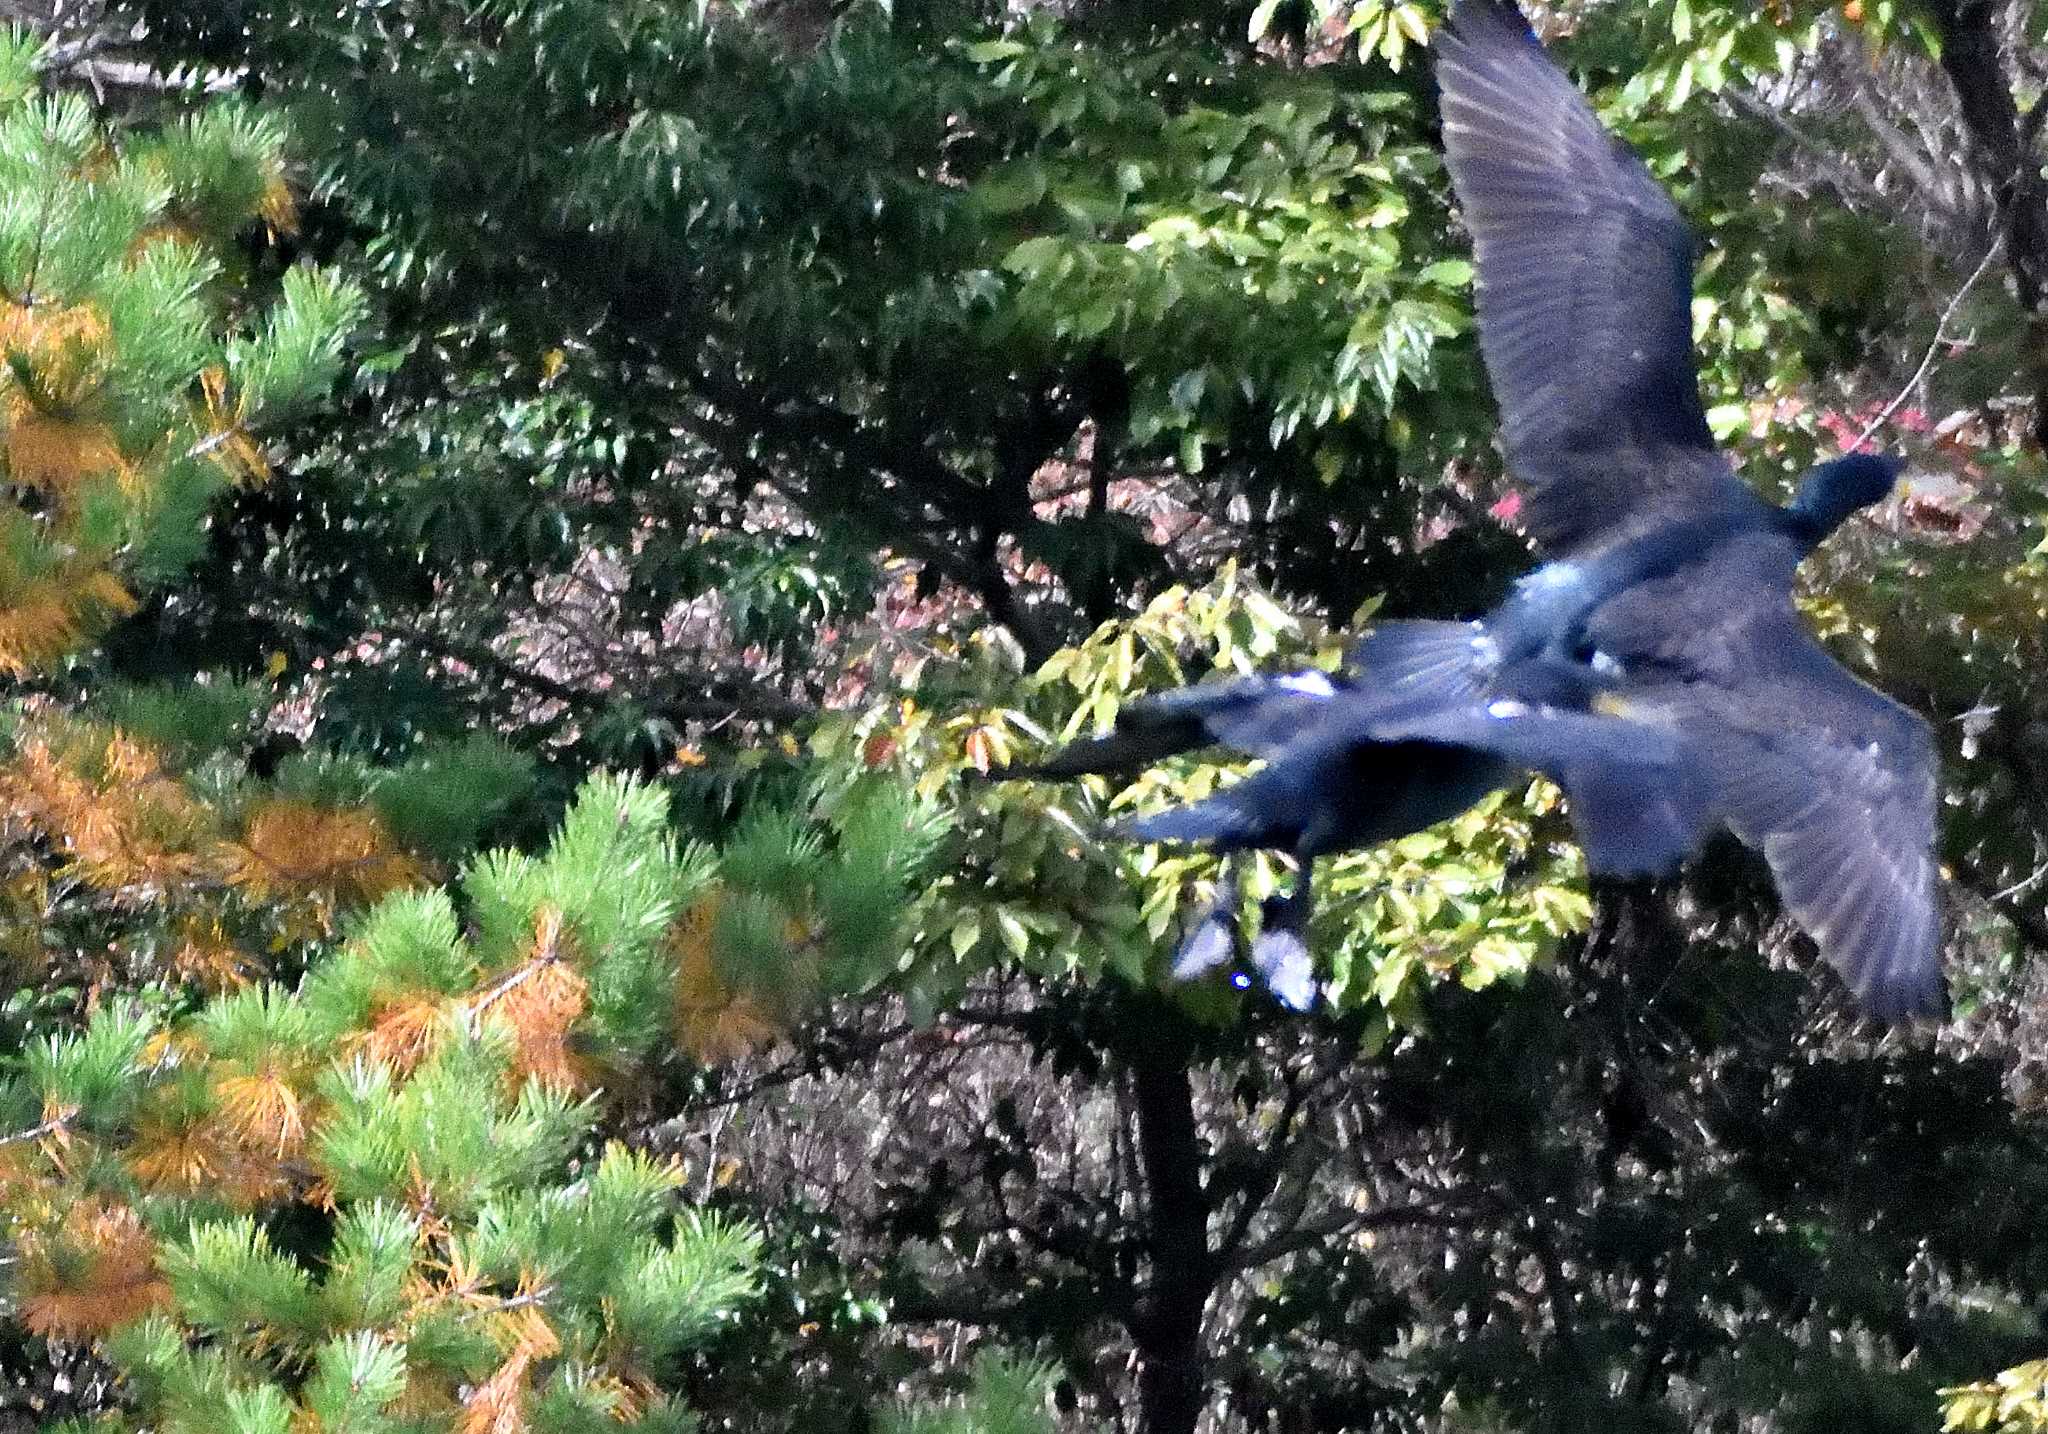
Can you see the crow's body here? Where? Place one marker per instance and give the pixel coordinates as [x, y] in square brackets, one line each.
[1359, 770]
[1656, 666]
[1584, 270]
[1348, 768]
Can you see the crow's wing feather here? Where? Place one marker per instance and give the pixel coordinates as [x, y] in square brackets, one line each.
[1640, 800]
[1584, 272]
[1258, 716]
[1336, 787]
[1364, 771]
[1255, 715]
[1835, 783]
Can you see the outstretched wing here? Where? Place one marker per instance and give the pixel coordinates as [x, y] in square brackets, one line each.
[1585, 293]
[1640, 800]
[1835, 784]
[1831, 780]
[1338, 787]
[1255, 715]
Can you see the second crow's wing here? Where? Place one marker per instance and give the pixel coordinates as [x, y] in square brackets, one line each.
[1835, 783]
[1640, 801]
[1254, 715]
[1584, 271]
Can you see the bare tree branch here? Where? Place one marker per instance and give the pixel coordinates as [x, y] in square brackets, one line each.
[1934, 347]
[1847, 181]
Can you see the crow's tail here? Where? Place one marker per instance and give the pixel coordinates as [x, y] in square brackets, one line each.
[1449, 662]
[1223, 822]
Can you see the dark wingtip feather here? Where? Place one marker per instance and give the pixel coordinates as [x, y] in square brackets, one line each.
[1902, 998]
[1905, 1004]
[1129, 748]
[1210, 821]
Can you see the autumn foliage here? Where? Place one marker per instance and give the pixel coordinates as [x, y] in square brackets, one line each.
[429, 1092]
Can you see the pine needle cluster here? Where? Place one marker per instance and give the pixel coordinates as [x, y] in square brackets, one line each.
[805, 905]
[432, 1099]
[1004, 1396]
[141, 818]
[133, 378]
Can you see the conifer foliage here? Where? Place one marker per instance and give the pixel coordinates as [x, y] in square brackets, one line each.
[435, 1100]
[133, 377]
[332, 1146]
[431, 1098]
[1003, 1397]
[139, 818]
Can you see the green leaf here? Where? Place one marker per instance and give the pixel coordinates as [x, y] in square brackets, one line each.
[1011, 188]
[1016, 940]
[1681, 86]
[966, 934]
[988, 52]
[1448, 274]
[1728, 419]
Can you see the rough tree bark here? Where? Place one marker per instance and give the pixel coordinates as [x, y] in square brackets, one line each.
[2003, 148]
[1168, 1327]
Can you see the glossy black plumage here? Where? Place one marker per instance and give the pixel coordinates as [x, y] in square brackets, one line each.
[1347, 769]
[1668, 594]
[1253, 715]
[1584, 271]
[1362, 771]
[1833, 782]
[1584, 293]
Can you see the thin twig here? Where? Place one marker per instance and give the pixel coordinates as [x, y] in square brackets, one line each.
[2021, 885]
[1838, 174]
[1933, 348]
[506, 984]
[37, 1132]
[2031, 925]
[525, 1300]
[212, 441]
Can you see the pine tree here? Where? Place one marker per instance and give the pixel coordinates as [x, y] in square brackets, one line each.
[432, 1097]
[136, 374]
[1004, 1396]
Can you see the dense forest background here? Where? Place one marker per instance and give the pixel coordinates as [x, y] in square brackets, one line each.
[531, 523]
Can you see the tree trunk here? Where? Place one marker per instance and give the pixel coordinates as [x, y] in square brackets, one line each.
[1168, 1330]
[2003, 153]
